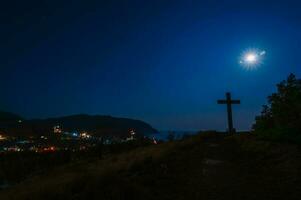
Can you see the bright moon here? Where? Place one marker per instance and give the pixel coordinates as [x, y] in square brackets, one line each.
[252, 59]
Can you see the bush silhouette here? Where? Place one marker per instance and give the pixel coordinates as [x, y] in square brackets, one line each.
[281, 118]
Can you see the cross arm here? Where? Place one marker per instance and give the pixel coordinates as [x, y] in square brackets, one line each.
[222, 101]
[235, 101]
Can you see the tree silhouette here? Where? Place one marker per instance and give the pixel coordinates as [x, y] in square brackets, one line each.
[281, 118]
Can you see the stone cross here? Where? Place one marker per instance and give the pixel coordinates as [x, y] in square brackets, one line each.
[229, 103]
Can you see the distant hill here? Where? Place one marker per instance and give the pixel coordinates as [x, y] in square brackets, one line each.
[9, 120]
[9, 117]
[95, 124]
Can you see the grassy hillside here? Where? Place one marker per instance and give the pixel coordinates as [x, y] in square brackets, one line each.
[202, 167]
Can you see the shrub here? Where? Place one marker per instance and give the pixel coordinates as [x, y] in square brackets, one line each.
[280, 119]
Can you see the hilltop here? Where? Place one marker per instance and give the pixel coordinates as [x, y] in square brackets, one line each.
[207, 166]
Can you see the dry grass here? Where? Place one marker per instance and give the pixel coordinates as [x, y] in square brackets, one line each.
[247, 169]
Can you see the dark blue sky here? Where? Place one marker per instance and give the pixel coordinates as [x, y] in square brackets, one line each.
[165, 62]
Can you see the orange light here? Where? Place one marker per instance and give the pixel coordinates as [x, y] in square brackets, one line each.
[2, 137]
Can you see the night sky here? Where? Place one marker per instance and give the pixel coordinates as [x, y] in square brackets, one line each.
[164, 62]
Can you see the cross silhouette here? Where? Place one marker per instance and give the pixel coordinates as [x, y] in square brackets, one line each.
[229, 103]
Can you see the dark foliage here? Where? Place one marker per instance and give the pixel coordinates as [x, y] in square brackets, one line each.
[17, 166]
[281, 118]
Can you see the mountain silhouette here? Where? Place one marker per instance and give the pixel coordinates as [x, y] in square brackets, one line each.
[9, 117]
[97, 125]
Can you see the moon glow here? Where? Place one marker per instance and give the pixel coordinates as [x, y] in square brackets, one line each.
[252, 59]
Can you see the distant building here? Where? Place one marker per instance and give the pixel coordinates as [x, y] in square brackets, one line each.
[132, 135]
[57, 129]
[85, 135]
[2, 136]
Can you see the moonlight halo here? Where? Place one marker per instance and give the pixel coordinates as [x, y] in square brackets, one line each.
[252, 58]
